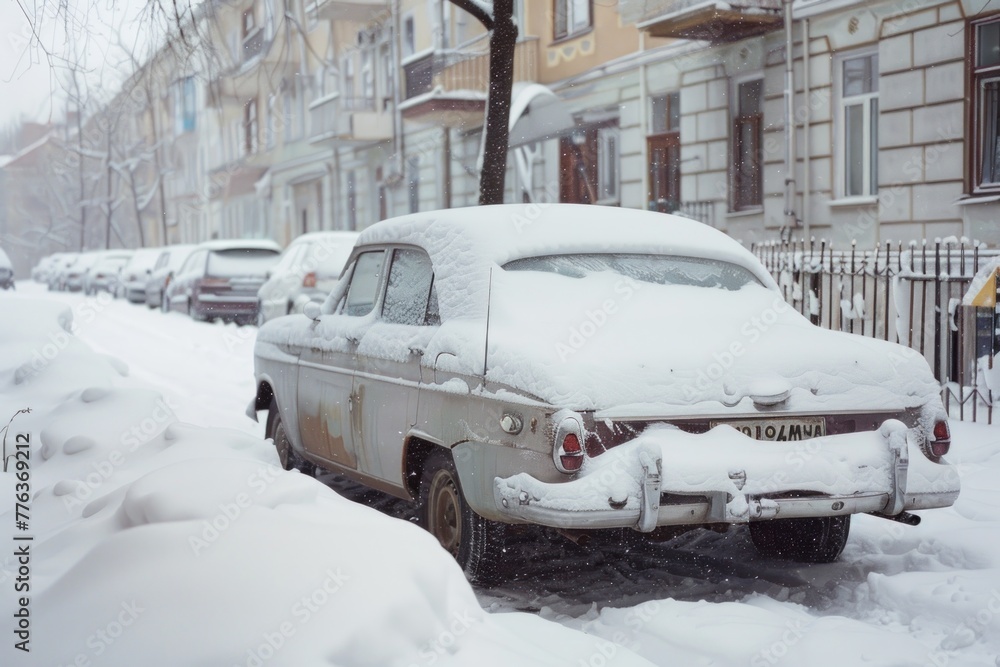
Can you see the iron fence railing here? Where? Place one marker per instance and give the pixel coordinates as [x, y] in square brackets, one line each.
[909, 294]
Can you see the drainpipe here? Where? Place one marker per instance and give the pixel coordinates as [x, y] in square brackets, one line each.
[397, 115]
[806, 144]
[790, 153]
[643, 120]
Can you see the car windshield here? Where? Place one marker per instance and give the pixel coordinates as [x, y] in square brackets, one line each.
[144, 259]
[656, 269]
[241, 262]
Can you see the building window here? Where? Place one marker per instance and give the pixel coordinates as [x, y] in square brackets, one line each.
[409, 37]
[348, 70]
[352, 201]
[859, 125]
[250, 127]
[986, 104]
[607, 166]
[269, 122]
[664, 151]
[589, 165]
[571, 17]
[368, 74]
[185, 106]
[747, 153]
[413, 182]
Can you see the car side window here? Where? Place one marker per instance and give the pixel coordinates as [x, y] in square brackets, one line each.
[408, 294]
[363, 290]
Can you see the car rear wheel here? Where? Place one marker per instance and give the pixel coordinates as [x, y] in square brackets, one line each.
[812, 540]
[290, 460]
[477, 544]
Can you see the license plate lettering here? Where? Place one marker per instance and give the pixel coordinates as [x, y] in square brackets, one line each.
[778, 431]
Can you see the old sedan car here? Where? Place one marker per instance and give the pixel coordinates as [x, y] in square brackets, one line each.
[585, 367]
[220, 279]
[135, 273]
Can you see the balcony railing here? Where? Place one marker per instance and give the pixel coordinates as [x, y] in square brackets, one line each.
[349, 120]
[361, 11]
[253, 44]
[468, 69]
[712, 21]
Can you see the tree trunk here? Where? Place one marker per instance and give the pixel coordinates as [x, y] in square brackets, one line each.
[502, 43]
[491, 181]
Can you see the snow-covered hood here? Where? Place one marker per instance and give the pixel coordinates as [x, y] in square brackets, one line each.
[608, 343]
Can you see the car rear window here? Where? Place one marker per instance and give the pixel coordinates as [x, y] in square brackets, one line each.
[241, 262]
[657, 269]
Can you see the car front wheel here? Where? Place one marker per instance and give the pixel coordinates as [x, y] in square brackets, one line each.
[286, 453]
[477, 544]
[811, 540]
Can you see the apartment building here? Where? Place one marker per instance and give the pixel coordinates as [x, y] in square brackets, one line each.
[298, 115]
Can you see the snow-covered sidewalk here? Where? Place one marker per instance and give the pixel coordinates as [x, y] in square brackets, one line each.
[163, 542]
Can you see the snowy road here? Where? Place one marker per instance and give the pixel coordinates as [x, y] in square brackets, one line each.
[899, 595]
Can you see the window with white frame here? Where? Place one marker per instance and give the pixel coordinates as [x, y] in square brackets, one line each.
[250, 127]
[368, 74]
[985, 168]
[859, 125]
[409, 36]
[747, 152]
[608, 157]
[571, 17]
[185, 106]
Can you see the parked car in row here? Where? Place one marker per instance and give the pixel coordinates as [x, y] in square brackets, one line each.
[509, 364]
[56, 276]
[40, 272]
[220, 279]
[135, 274]
[104, 275]
[171, 258]
[6, 271]
[308, 270]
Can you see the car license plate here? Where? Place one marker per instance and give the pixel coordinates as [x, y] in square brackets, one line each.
[778, 430]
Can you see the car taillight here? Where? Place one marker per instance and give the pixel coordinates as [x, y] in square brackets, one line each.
[567, 446]
[942, 439]
[309, 280]
[213, 282]
[571, 456]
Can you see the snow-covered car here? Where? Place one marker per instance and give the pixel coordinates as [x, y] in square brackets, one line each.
[220, 279]
[40, 272]
[104, 275]
[56, 276]
[171, 258]
[308, 270]
[588, 367]
[72, 278]
[6, 271]
[136, 272]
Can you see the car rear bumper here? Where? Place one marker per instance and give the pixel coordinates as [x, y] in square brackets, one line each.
[633, 492]
[218, 304]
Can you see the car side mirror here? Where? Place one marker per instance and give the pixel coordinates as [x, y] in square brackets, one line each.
[312, 310]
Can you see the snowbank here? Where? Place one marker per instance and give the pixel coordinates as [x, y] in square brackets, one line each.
[157, 542]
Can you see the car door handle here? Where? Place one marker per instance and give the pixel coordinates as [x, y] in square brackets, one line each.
[418, 351]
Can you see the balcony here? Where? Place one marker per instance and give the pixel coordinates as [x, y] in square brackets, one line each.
[713, 21]
[360, 11]
[448, 88]
[349, 120]
[253, 45]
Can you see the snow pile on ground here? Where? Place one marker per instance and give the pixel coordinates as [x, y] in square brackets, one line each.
[157, 542]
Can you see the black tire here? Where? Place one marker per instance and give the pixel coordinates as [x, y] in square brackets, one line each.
[812, 540]
[477, 544]
[289, 458]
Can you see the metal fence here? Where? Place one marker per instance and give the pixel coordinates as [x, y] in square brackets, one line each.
[909, 294]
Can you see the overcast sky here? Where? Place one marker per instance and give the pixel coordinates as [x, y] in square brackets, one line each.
[32, 83]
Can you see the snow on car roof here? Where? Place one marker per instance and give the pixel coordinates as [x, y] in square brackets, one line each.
[313, 237]
[465, 243]
[240, 244]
